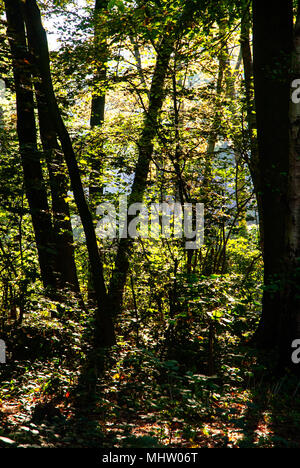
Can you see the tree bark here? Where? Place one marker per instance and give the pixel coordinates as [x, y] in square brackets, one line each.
[65, 265]
[27, 135]
[294, 228]
[272, 39]
[100, 76]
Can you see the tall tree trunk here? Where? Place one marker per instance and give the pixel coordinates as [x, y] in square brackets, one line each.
[272, 40]
[39, 46]
[251, 120]
[98, 113]
[66, 267]
[214, 132]
[27, 135]
[294, 238]
[101, 55]
[240, 179]
[98, 99]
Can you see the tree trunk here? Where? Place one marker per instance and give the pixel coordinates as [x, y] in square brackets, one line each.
[294, 238]
[240, 179]
[98, 98]
[97, 114]
[38, 41]
[27, 135]
[251, 120]
[101, 53]
[65, 265]
[214, 132]
[272, 39]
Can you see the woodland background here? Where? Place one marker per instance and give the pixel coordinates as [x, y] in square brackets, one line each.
[140, 342]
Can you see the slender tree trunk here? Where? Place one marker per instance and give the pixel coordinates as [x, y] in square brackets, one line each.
[294, 237]
[98, 114]
[240, 179]
[181, 187]
[98, 96]
[251, 119]
[214, 132]
[101, 55]
[27, 135]
[138, 60]
[39, 46]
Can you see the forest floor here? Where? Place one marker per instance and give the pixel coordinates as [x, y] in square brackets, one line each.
[145, 401]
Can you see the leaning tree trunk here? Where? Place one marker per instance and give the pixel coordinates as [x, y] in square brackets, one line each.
[104, 332]
[27, 135]
[65, 265]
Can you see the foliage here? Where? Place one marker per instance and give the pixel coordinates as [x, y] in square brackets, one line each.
[182, 372]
